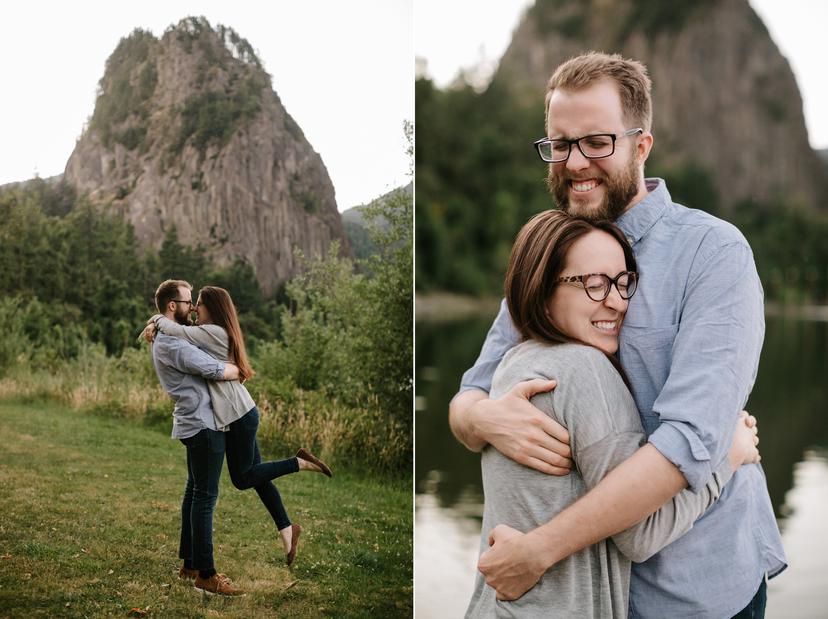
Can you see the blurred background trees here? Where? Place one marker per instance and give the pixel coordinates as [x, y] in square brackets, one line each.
[479, 180]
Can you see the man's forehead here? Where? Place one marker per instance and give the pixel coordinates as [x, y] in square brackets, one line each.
[185, 293]
[594, 109]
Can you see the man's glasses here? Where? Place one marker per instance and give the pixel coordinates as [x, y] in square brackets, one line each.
[595, 146]
[597, 285]
[190, 303]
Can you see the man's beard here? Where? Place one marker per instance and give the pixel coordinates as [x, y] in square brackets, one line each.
[619, 192]
[182, 318]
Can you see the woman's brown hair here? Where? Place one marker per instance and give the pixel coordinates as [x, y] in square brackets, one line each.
[223, 313]
[537, 261]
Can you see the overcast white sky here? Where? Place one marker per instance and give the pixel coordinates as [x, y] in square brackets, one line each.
[343, 70]
[446, 40]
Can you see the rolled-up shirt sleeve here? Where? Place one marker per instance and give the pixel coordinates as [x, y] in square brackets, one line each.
[501, 338]
[189, 359]
[714, 362]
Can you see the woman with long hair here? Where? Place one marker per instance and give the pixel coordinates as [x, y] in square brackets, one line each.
[568, 285]
[217, 332]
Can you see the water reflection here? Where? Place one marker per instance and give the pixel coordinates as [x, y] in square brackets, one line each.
[789, 399]
[801, 593]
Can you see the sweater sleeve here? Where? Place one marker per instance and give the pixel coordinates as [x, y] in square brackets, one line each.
[594, 404]
[210, 338]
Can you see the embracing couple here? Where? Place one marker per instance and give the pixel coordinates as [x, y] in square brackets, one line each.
[203, 368]
[620, 472]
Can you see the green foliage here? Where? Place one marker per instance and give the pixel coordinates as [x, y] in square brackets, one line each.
[478, 180]
[572, 19]
[84, 270]
[238, 45]
[198, 31]
[125, 94]
[569, 19]
[132, 137]
[789, 246]
[197, 183]
[348, 336]
[214, 116]
[189, 30]
[690, 184]
[181, 261]
[655, 16]
[77, 289]
[303, 195]
[125, 91]
[259, 317]
[360, 239]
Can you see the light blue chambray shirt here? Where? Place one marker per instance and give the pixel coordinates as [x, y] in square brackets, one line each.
[690, 345]
[182, 369]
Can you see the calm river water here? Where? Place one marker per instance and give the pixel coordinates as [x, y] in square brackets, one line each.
[790, 399]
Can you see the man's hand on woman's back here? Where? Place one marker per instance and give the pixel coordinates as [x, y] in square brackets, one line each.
[513, 426]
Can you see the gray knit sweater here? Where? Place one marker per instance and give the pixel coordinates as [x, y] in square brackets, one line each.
[593, 403]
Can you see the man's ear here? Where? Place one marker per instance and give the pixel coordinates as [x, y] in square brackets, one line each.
[643, 147]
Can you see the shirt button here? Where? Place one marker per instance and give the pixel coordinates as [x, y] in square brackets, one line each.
[630, 240]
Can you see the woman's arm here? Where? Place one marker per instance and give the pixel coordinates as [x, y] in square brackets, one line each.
[210, 338]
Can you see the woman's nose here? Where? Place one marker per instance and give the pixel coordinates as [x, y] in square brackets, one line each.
[615, 301]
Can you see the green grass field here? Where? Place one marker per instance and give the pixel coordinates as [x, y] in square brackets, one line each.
[90, 524]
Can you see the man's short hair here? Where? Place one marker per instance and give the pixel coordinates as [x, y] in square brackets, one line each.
[630, 76]
[168, 291]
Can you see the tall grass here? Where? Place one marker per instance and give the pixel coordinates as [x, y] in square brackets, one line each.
[126, 387]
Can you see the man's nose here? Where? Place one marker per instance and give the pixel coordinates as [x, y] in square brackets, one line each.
[576, 160]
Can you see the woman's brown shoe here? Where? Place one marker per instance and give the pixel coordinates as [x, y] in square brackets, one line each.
[306, 455]
[296, 531]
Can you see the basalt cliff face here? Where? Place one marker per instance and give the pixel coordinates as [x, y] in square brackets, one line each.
[725, 100]
[188, 132]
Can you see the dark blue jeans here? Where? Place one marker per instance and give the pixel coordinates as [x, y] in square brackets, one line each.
[248, 471]
[205, 455]
[756, 608]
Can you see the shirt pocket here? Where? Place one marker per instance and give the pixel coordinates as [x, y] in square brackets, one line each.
[646, 355]
[650, 338]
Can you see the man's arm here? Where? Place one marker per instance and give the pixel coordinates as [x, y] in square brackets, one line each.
[714, 364]
[513, 426]
[510, 424]
[189, 359]
[631, 491]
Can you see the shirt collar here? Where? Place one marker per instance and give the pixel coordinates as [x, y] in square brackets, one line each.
[637, 221]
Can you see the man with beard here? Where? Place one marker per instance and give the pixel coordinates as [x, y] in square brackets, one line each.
[182, 370]
[690, 348]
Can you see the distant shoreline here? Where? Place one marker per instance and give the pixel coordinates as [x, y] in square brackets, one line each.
[448, 306]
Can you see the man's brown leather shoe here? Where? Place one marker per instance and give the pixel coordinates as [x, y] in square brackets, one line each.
[306, 455]
[186, 574]
[295, 531]
[217, 583]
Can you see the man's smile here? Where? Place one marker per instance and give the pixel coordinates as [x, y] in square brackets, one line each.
[583, 186]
